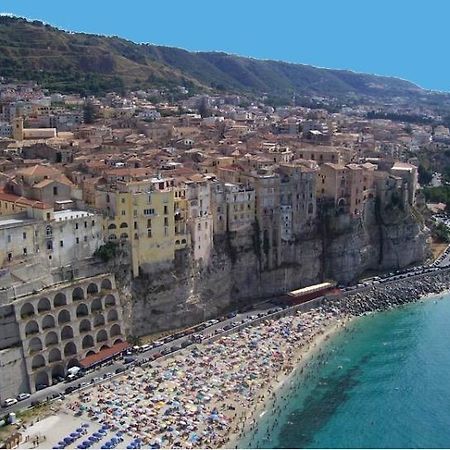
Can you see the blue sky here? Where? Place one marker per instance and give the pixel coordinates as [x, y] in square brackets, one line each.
[404, 38]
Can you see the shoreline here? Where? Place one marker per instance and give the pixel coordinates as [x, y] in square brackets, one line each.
[299, 360]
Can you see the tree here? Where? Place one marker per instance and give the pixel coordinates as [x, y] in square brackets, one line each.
[203, 108]
[425, 175]
[89, 112]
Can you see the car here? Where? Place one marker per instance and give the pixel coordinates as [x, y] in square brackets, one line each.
[107, 375]
[120, 370]
[69, 389]
[186, 343]
[23, 396]
[39, 387]
[9, 402]
[165, 351]
[228, 327]
[231, 315]
[157, 344]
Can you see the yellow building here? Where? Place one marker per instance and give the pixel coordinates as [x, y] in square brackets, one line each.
[142, 213]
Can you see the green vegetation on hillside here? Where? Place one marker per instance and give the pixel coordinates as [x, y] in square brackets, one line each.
[92, 64]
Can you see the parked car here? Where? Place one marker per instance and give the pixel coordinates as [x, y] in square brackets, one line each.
[9, 402]
[120, 370]
[39, 387]
[23, 396]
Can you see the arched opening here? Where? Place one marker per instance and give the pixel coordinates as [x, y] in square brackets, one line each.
[54, 355]
[59, 300]
[37, 361]
[88, 341]
[102, 336]
[123, 225]
[82, 310]
[90, 352]
[112, 315]
[31, 328]
[27, 310]
[106, 284]
[99, 320]
[35, 345]
[110, 300]
[177, 242]
[85, 325]
[115, 330]
[112, 237]
[70, 349]
[118, 341]
[63, 316]
[73, 363]
[77, 294]
[41, 380]
[44, 305]
[104, 347]
[124, 236]
[58, 372]
[48, 322]
[96, 305]
[51, 339]
[183, 241]
[92, 288]
[66, 333]
[112, 226]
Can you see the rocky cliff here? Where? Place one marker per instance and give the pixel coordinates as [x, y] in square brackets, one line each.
[340, 248]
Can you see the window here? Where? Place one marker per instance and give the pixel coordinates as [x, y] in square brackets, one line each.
[85, 238]
[123, 212]
[166, 222]
[149, 233]
[149, 212]
[24, 235]
[199, 226]
[85, 224]
[149, 199]
[61, 243]
[76, 226]
[166, 211]
[135, 213]
[149, 223]
[122, 200]
[77, 240]
[55, 190]
[93, 223]
[9, 238]
[24, 251]
[135, 225]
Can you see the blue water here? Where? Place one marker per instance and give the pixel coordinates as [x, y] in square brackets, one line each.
[384, 383]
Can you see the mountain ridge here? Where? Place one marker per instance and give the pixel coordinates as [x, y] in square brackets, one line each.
[91, 63]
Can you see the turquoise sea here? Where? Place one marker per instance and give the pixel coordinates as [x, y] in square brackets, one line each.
[384, 383]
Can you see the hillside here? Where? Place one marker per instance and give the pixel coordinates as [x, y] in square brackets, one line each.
[87, 63]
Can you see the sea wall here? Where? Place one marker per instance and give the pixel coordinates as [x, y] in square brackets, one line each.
[339, 249]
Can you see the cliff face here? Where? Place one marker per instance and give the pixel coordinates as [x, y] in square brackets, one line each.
[340, 249]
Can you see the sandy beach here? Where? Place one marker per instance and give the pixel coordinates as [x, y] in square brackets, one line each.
[206, 396]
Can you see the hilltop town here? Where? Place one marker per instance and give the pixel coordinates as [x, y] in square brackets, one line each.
[127, 215]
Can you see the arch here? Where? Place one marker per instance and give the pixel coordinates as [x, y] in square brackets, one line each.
[58, 371]
[48, 322]
[92, 288]
[85, 325]
[44, 305]
[112, 315]
[123, 225]
[89, 353]
[77, 294]
[35, 345]
[124, 236]
[99, 320]
[112, 226]
[96, 305]
[70, 349]
[115, 330]
[118, 341]
[59, 300]
[102, 336]
[41, 379]
[31, 327]
[110, 300]
[73, 363]
[106, 284]
[51, 338]
[27, 310]
[341, 202]
[37, 361]
[183, 241]
[104, 347]
[66, 333]
[112, 237]
[88, 341]
[82, 310]
[54, 355]
[63, 316]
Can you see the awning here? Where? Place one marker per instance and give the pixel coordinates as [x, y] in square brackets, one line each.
[103, 355]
